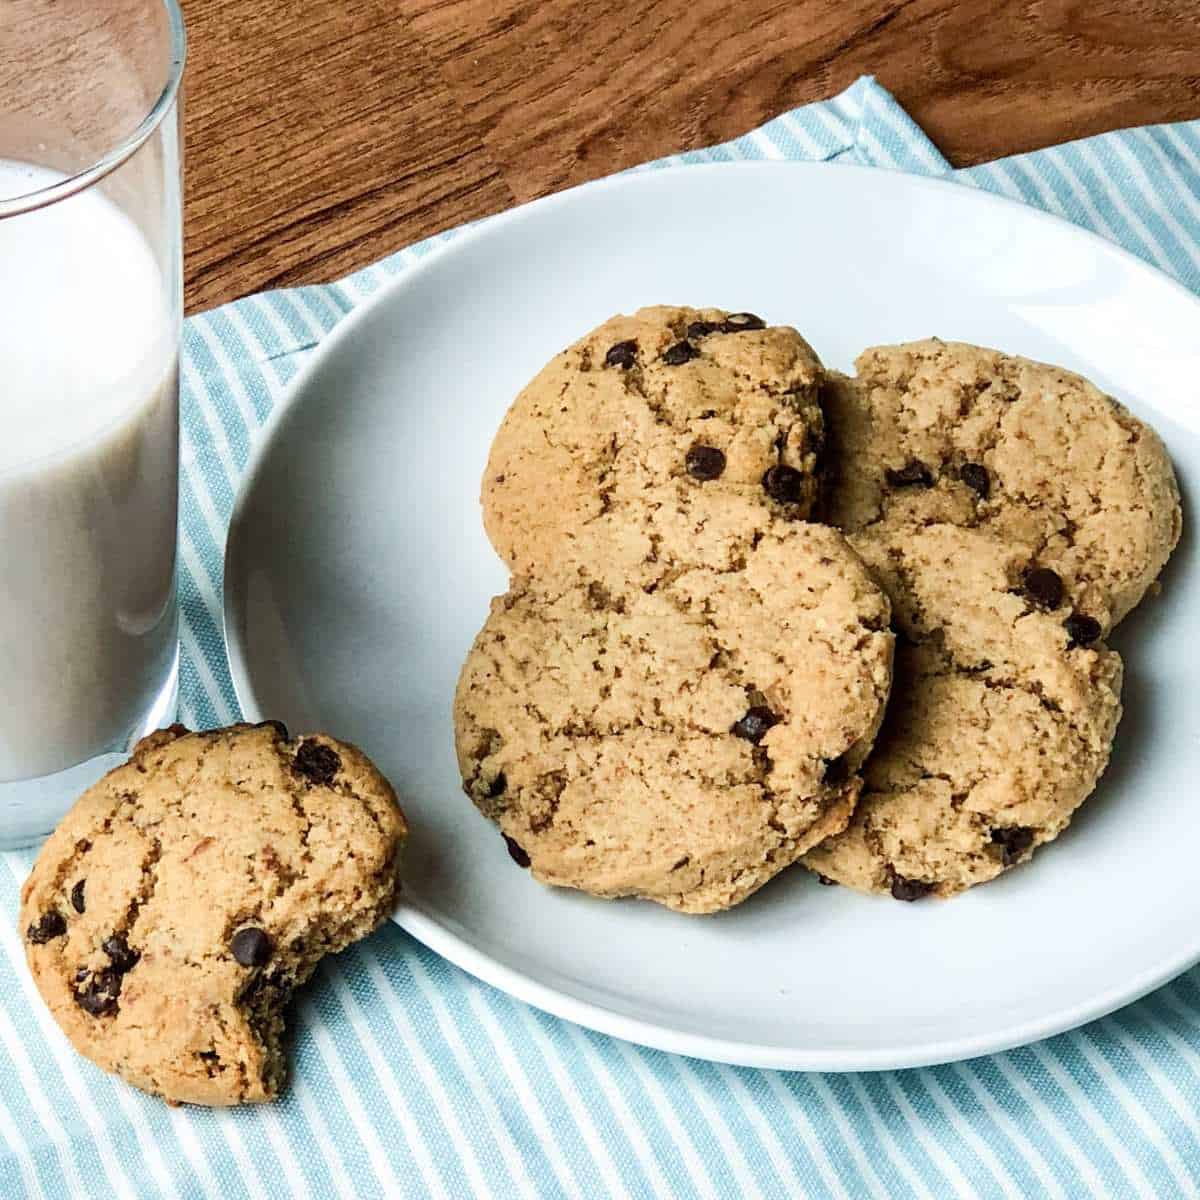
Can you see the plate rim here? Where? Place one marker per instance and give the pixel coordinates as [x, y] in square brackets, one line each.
[441, 939]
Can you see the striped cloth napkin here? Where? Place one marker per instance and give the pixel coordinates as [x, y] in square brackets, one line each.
[412, 1079]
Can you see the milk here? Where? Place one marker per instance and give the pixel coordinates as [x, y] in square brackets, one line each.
[88, 480]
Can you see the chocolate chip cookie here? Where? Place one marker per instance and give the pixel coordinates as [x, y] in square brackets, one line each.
[684, 734]
[942, 431]
[170, 915]
[700, 403]
[1003, 710]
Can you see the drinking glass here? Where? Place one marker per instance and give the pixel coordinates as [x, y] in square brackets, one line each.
[90, 312]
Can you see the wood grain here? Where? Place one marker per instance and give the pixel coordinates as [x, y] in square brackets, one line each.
[321, 136]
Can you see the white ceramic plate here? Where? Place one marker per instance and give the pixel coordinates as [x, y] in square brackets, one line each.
[357, 574]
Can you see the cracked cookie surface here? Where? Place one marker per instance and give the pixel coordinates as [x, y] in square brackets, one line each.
[169, 916]
[943, 431]
[682, 737]
[1000, 723]
[699, 404]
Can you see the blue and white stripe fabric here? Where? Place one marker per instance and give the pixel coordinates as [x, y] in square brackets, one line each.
[412, 1079]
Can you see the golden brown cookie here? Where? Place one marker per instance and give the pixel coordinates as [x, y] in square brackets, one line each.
[664, 400]
[170, 915]
[686, 736]
[999, 726]
[943, 431]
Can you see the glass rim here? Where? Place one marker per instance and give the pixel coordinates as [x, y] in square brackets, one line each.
[129, 146]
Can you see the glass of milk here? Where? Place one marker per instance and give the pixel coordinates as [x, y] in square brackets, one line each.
[90, 310]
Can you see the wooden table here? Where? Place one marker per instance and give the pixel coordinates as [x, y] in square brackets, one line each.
[322, 135]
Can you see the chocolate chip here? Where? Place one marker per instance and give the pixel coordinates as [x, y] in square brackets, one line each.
[1014, 839]
[212, 1062]
[623, 355]
[678, 354]
[50, 925]
[754, 725]
[741, 321]
[99, 997]
[77, 900]
[251, 946]
[699, 329]
[704, 462]
[914, 474]
[280, 728]
[317, 763]
[825, 881]
[783, 483]
[1043, 587]
[1082, 630]
[909, 889]
[124, 957]
[977, 479]
[497, 786]
[515, 852]
[837, 771]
